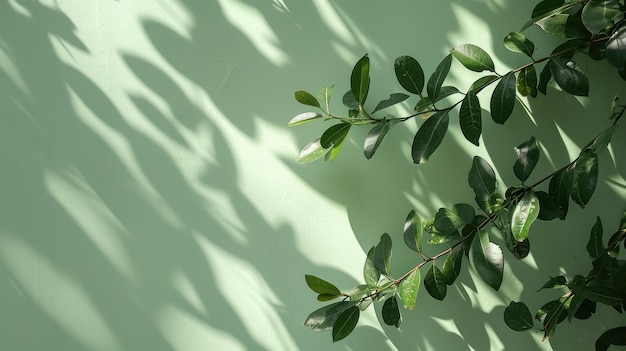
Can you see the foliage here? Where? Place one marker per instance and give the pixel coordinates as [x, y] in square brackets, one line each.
[593, 27]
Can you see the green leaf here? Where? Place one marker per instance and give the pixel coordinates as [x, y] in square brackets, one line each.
[382, 254]
[553, 312]
[312, 151]
[596, 15]
[569, 76]
[336, 148]
[527, 158]
[560, 190]
[527, 81]
[424, 105]
[413, 232]
[545, 9]
[334, 134]
[371, 274]
[482, 179]
[517, 316]
[391, 312]
[345, 323]
[393, 99]
[616, 48]
[517, 42]
[448, 221]
[321, 286]
[360, 79]
[524, 214]
[375, 137]
[487, 260]
[568, 48]
[602, 140]
[470, 118]
[564, 26]
[548, 209]
[323, 318]
[494, 204]
[503, 99]
[409, 74]
[436, 79]
[595, 247]
[473, 58]
[429, 136]
[482, 82]
[446, 91]
[306, 98]
[574, 305]
[452, 265]
[326, 94]
[436, 239]
[615, 336]
[554, 282]
[435, 283]
[303, 118]
[584, 177]
[544, 79]
[350, 101]
[326, 297]
[601, 294]
[408, 289]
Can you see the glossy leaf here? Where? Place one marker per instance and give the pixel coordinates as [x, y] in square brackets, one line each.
[375, 137]
[436, 79]
[503, 99]
[487, 260]
[408, 289]
[336, 147]
[564, 26]
[584, 177]
[527, 158]
[334, 135]
[323, 318]
[470, 118]
[371, 274]
[435, 283]
[554, 282]
[595, 247]
[345, 323]
[409, 74]
[350, 101]
[446, 91]
[306, 98]
[473, 58]
[518, 317]
[616, 48]
[393, 99]
[527, 81]
[312, 151]
[452, 265]
[524, 214]
[321, 286]
[391, 312]
[615, 336]
[482, 179]
[413, 231]
[360, 79]
[303, 118]
[429, 136]
[482, 82]
[568, 75]
[517, 42]
[596, 15]
[448, 221]
[548, 209]
[544, 78]
[560, 190]
[382, 254]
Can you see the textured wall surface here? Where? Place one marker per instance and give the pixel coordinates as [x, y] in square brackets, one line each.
[150, 198]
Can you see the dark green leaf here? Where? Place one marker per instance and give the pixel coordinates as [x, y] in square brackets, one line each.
[545, 7]
[350, 101]
[470, 118]
[574, 305]
[382, 255]
[616, 48]
[487, 260]
[448, 221]
[336, 147]
[360, 79]
[553, 315]
[371, 274]
[544, 79]
[615, 336]
[595, 247]
[587, 309]
[503, 99]
[413, 231]
[597, 15]
[306, 98]
[375, 137]
[584, 177]
[482, 179]
[452, 265]
[548, 209]
[391, 312]
[564, 26]
[568, 49]
[436, 79]
[326, 297]
[554, 282]
[473, 58]
[393, 99]
[321, 286]
[527, 158]
[601, 294]
[409, 288]
[569, 76]
[345, 323]
[429, 136]
[482, 82]
[517, 316]
[409, 74]
[312, 151]
[517, 42]
[424, 105]
[560, 190]
[303, 118]
[323, 318]
[334, 135]
[524, 214]
[435, 283]
[597, 51]
[527, 81]
[446, 91]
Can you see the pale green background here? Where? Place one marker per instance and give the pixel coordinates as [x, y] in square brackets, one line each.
[150, 198]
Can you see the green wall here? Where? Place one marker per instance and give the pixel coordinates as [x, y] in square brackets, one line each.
[150, 194]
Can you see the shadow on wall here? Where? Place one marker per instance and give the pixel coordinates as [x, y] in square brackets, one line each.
[127, 206]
